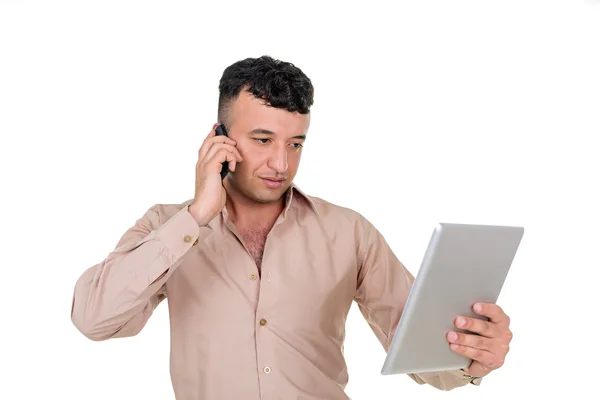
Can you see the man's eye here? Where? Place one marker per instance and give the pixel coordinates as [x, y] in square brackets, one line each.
[261, 140]
[298, 145]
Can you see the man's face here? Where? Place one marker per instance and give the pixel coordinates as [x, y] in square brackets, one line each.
[270, 141]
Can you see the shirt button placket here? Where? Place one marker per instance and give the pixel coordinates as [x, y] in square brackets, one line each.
[260, 337]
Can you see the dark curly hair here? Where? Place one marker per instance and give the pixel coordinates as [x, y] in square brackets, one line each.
[279, 83]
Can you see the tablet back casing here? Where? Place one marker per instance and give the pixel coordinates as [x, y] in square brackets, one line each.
[463, 264]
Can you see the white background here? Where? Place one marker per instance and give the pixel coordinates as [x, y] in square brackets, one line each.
[429, 111]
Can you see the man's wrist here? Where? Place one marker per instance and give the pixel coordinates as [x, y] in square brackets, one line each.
[197, 214]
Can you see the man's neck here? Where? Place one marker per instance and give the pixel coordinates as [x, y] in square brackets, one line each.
[244, 212]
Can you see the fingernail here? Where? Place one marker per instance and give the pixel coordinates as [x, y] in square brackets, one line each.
[478, 307]
[453, 336]
[461, 322]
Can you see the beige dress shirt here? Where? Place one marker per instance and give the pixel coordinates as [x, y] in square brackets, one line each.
[238, 335]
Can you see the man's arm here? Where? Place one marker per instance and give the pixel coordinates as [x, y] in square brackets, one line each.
[116, 297]
[382, 290]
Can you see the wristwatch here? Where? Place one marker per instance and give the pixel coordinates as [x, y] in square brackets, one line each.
[474, 380]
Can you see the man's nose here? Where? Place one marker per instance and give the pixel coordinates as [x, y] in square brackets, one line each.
[279, 159]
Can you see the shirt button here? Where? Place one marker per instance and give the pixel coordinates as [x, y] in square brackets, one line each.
[267, 370]
[187, 239]
[263, 322]
[253, 277]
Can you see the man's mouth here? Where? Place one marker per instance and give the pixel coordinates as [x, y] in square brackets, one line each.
[273, 183]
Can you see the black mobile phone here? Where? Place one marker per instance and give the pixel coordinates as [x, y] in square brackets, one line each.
[221, 131]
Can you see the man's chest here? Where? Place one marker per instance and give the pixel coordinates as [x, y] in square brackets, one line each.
[305, 278]
[254, 240]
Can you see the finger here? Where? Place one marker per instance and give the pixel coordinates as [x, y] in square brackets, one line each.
[212, 139]
[206, 144]
[469, 340]
[222, 156]
[492, 311]
[217, 147]
[485, 358]
[476, 325]
[209, 148]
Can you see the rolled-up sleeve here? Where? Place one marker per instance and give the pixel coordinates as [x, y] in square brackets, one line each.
[116, 297]
[382, 290]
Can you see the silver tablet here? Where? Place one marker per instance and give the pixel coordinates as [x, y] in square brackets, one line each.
[463, 264]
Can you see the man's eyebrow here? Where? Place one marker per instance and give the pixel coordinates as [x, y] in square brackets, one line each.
[261, 130]
[268, 132]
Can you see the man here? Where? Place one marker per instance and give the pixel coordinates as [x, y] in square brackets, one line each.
[260, 276]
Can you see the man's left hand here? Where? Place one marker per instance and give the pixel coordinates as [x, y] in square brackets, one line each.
[490, 343]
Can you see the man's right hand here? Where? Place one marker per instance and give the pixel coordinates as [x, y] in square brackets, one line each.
[209, 197]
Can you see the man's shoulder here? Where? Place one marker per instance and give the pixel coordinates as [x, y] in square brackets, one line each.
[340, 218]
[332, 210]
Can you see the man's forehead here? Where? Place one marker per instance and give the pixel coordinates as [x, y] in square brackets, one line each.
[256, 116]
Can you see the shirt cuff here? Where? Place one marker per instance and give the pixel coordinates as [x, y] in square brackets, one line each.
[180, 233]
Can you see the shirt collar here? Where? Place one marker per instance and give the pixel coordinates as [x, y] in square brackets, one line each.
[300, 194]
[293, 197]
